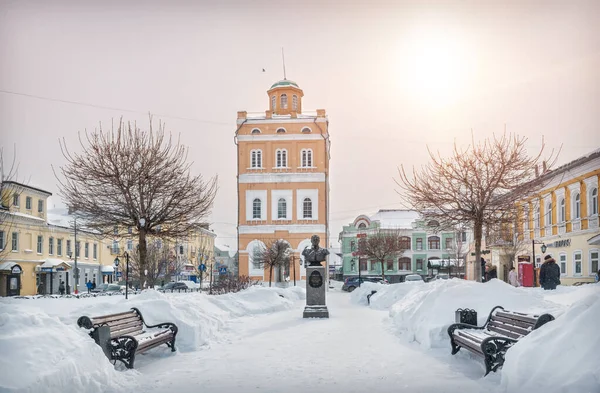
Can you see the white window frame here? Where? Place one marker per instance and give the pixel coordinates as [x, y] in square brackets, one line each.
[562, 213]
[273, 103]
[439, 242]
[306, 158]
[580, 253]
[255, 131]
[280, 130]
[14, 242]
[525, 218]
[2, 240]
[306, 130]
[281, 158]
[576, 212]
[254, 208]
[129, 245]
[282, 209]
[59, 247]
[95, 251]
[40, 206]
[294, 102]
[50, 245]
[86, 250]
[283, 101]
[16, 200]
[592, 272]
[251, 195]
[28, 202]
[256, 159]
[40, 245]
[537, 223]
[313, 195]
[593, 208]
[560, 262]
[306, 201]
[286, 195]
[548, 214]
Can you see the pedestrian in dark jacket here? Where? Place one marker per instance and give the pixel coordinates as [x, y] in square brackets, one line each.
[491, 272]
[89, 286]
[549, 273]
[61, 288]
[483, 271]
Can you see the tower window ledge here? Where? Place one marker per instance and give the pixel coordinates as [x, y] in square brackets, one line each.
[307, 221]
[256, 222]
[257, 169]
[282, 168]
[307, 167]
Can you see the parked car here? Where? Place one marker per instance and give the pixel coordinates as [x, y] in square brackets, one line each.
[174, 286]
[413, 277]
[440, 277]
[104, 288]
[350, 284]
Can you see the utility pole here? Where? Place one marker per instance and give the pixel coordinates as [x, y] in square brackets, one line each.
[294, 265]
[76, 252]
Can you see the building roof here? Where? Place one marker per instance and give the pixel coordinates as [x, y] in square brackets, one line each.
[395, 219]
[284, 83]
[17, 184]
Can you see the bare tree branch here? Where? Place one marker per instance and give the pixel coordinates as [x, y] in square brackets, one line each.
[275, 254]
[383, 245]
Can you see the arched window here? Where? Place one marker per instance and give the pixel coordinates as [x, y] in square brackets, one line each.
[577, 206]
[294, 102]
[283, 101]
[307, 208]
[433, 223]
[255, 159]
[433, 242]
[549, 214]
[306, 158]
[404, 263]
[306, 130]
[281, 208]
[256, 209]
[281, 158]
[594, 202]
[563, 211]
[404, 243]
[273, 103]
[255, 131]
[362, 225]
[281, 130]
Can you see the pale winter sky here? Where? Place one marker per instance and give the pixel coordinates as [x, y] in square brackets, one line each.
[394, 77]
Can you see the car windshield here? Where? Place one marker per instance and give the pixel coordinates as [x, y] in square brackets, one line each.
[102, 286]
[413, 278]
[114, 287]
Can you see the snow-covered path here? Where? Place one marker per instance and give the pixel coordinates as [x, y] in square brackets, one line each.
[352, 351]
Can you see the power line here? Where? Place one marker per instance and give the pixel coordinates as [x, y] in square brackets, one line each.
[112, 108]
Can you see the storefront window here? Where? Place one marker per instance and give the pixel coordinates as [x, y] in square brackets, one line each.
[577, 261]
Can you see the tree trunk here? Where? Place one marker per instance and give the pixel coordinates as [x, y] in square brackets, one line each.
[478, 233]
[143, 256]
[270, 274]
[383, 271]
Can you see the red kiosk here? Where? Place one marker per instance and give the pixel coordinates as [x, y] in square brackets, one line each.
[526, 274]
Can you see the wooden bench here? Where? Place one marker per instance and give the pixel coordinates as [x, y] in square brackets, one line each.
[123, 335]
[502, 330]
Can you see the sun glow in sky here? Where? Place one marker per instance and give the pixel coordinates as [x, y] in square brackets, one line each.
[437, 66]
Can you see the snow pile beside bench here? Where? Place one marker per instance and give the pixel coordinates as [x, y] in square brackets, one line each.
[424, 314]
[40, 353]
[387, 294]
[44, 350]
[562, 355]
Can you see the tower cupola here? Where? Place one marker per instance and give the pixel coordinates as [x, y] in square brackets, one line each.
[285, 98]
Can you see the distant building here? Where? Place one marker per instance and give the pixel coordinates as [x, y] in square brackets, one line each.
[283, 179]
[225, 257]
[428, 250]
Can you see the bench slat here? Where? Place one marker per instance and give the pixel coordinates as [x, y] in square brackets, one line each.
[512, 321]
[470, 345]
[519, 317]
[158, 339]
[132, 331]
[127, 325]
[123, 321]
[510, 328]
[112, 317]
[469, 336]
[505, 333]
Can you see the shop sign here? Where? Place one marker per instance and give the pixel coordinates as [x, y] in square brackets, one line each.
[16, 269]
[561, 243]
[46, 269]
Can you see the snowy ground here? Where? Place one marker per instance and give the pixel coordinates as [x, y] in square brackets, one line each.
[258, 341]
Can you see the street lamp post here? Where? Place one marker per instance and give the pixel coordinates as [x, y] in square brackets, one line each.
[126, 255]
[543, 248]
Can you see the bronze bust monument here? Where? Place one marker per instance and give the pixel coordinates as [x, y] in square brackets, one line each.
[315, 254]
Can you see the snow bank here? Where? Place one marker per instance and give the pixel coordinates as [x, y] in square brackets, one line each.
[40, 353]
[562, 356]
[359, 295]
[387, 295]
[41, 340]
[424, 313]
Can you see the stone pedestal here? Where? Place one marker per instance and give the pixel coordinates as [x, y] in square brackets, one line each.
[316, 306]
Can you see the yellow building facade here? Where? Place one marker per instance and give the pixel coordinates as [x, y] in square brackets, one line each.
[563, 217]
[283, 179]
[38, 248]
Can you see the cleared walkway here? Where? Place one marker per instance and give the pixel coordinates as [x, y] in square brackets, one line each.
[352, 351]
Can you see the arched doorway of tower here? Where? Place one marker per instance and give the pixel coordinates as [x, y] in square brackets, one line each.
[303, 244]
[254, 269]
[281, 273]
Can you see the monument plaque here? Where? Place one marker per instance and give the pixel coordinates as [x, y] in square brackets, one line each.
[316, 306]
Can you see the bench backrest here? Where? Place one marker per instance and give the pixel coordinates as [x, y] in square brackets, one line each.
[515, 325]
[120, 324]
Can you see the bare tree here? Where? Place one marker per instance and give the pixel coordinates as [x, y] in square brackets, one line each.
[232, 283]
[381, 246]
[132, 178]
[458, 251]
[8, 187]
[476, 186]
[508, 242]
[157, 260]
[275, 254]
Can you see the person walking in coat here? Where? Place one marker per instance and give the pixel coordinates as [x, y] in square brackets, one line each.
[491, 272]
[89, 286]
[549, 273]
[512, 277]
[61, 288]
